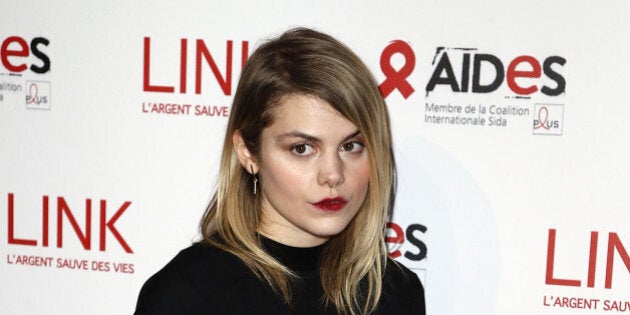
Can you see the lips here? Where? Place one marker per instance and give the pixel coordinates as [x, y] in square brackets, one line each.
[331, 204]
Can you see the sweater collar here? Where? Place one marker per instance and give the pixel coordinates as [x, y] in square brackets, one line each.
[298, 259]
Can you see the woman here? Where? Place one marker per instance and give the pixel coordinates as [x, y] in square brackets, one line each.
[296, 225]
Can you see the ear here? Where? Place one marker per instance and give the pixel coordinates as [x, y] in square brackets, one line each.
[247, 160]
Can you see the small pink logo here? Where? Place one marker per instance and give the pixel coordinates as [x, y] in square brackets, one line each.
[548, 119]
[38, 95]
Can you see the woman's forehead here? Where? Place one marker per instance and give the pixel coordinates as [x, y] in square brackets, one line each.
[309, 115]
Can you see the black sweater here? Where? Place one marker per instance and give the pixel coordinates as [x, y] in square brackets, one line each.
[203, 279]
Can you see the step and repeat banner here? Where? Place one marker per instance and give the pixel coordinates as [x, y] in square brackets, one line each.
[511, 135]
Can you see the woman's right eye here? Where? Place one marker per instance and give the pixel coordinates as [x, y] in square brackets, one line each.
[302, 149]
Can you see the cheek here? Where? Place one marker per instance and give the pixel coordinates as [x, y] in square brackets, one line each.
[279, 177]
[361, 173]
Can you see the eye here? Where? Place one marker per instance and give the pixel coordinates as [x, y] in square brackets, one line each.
[352, 146]
[302, 149]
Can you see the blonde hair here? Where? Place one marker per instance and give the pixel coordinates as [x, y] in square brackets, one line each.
[307, 62]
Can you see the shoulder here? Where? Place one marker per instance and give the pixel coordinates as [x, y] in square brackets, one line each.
[402, 290]
[192, 277]
[201, 260]
[396, 274]
[197, 263]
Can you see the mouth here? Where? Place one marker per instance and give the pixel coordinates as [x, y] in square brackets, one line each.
[331, 204]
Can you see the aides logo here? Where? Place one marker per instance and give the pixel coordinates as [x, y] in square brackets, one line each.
[548, 119]
[465, 70]
[17, 55]
[38, 95]
[24, 58]
[397, 79]
[407, 243]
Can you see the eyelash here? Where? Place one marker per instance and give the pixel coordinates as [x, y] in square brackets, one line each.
[299, 145]
[357, 147]
[355, 144]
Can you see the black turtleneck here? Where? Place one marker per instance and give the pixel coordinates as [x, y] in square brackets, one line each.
[298, 259]
[203, 279]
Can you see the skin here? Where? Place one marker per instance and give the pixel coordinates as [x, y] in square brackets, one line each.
[310, 152]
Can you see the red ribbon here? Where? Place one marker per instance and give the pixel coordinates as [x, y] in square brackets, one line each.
[542, 122]
[397, 79]
[30, 98]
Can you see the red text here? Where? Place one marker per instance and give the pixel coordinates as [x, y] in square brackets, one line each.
[64, 215]
[202, 55]
[614, 246]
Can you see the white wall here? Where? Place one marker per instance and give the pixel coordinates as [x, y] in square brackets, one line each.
[484, 201]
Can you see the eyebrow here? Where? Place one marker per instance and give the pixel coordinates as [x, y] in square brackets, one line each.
[298, 134]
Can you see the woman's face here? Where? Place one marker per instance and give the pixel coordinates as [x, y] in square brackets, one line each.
[314, 172]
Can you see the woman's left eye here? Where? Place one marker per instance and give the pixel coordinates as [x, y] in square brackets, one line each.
[352, 146]
[302, 149]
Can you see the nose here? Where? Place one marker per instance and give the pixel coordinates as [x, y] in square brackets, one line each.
[331, 170]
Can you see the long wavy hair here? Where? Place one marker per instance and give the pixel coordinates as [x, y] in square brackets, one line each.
[306, 62]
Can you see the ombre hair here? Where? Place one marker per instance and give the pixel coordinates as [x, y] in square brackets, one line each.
[306, 62]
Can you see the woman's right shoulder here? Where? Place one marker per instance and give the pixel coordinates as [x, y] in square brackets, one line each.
[195, 274]
[202, 259]
[198, 263]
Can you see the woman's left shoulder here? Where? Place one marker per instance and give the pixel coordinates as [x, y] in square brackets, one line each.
[399, 275]
[402, 290]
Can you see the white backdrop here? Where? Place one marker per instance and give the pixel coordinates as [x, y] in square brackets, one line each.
[100, 185]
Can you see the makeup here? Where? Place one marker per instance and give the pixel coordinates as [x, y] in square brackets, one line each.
[331, 204]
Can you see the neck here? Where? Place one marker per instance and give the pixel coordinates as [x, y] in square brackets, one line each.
[295, 240]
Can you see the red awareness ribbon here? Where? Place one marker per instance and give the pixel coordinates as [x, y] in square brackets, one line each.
[397, 79]
[542, 122]
[32, 97]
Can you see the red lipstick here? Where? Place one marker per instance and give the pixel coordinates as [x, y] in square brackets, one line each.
[331, 204]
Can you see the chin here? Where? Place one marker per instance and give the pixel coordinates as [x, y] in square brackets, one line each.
[329, 231]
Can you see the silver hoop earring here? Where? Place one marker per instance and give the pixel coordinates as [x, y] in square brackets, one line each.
[255, 178]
